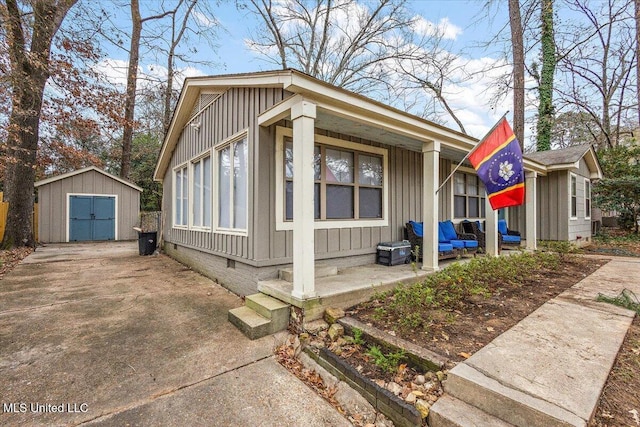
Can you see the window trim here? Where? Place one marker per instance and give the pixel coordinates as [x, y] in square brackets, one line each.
[181, 166]
[244, 134]
[282, 225]
[452, 188]
[587, 212]
[191, 162]
[572, 177]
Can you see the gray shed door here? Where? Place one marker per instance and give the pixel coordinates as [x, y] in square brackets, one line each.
[92, 218]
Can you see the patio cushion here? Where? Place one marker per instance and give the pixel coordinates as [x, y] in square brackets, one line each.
[470, 244]
[510, 239]
[445, 247]
[417, 228]
[502, 226]
[448, 230]
[457, 244]
[441, 237]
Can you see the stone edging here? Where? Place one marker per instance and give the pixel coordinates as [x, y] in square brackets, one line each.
[401, 413]
[420, 357]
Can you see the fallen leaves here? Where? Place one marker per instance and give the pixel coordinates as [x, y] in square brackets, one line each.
[10, 258]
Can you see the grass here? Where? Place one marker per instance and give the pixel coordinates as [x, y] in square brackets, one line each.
[409, 305]
[626, 299]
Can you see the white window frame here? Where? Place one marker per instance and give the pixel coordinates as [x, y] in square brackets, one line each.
[573, 177]
[281, 224]
[192, 183]
[587, 212]
[452, 186]
[244, 134]
[178, 168]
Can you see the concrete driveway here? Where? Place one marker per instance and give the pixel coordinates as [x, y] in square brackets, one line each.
[94, 333]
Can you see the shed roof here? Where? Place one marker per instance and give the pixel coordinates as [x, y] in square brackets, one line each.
[85, 170]
[568, 158]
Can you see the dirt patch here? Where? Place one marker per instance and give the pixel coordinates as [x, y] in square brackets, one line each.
[619, 404]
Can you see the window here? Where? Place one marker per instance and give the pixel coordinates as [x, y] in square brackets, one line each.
[587, 199]
[348, 183]
[201, 207]
[181, 192]
[574, 197]
[468, 196]
[232, 185]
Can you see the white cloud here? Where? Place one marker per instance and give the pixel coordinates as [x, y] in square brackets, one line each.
[444, 28]
[204, 20]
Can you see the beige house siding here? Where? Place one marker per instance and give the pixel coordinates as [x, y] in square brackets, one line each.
[53, 222]
[580, 227]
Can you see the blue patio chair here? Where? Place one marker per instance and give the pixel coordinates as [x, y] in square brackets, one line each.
[414, 235]
[476, 228]
[509, 237]
[465, 242]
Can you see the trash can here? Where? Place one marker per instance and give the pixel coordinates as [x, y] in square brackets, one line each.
[147, 242]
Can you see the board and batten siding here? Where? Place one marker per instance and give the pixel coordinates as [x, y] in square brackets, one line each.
[404, 204]
[232, 112]
[581, 225]
[52, 204]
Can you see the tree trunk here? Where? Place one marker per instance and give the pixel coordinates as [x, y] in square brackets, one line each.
[545, 109]
[517, 49]
[130, 101]
[29, 74]
[637, 3]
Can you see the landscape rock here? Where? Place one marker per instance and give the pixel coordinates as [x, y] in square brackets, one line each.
[335, 331]
[315, 326]
[411, 398]
[394, 388]
[419, 379]
[441, 375]
[423, 407]
[331, 315]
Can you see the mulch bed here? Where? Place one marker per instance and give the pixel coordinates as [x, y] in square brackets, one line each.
[459, 333]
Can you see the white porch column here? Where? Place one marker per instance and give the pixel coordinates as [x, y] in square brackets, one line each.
[430, 174]
[303, 115]
[491, 229]
[531, 209]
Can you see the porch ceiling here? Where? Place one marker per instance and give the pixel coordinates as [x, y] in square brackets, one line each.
[369, 131]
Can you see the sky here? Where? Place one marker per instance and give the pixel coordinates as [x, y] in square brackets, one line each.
[463, 23]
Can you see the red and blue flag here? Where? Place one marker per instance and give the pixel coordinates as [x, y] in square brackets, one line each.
[498, 161]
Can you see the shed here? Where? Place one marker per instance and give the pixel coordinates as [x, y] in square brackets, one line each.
[87, 205]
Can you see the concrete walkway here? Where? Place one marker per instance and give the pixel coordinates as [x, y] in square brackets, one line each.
[549, 369]
[96, 334]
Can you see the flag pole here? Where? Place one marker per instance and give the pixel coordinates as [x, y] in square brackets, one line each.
[471, 151]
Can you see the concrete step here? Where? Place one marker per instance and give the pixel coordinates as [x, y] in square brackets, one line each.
[451, 412]
[275, 310]
[514, 406]
[320, 271]
[251, 324]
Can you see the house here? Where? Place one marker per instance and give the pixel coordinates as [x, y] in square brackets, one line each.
[564, 195]
[87, 205]
[274, 181]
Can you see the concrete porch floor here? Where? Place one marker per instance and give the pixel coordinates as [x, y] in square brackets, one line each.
[349, 287]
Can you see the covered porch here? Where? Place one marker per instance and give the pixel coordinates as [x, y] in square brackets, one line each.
[348, 114]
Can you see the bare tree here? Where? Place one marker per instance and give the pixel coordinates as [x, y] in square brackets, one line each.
[517, 49]
[637, 10]
[343, 42]
[29, 35]
[597, 67]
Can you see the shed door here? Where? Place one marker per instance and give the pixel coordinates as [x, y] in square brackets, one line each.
[92, 218]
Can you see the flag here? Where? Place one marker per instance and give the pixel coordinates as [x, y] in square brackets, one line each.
[498, 161]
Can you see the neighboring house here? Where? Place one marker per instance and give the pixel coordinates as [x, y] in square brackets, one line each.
[237, 144]
[564, 194]
[87, 205]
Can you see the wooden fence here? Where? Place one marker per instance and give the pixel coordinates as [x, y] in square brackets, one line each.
[4, 209]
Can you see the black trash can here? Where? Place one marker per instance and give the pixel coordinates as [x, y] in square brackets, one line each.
[147, 242]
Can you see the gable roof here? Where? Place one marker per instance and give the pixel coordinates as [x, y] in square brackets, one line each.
[568, 158]
[298, 83]
[85, 170]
